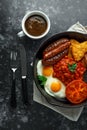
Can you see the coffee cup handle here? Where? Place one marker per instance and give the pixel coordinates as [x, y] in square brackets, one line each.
[20, 34]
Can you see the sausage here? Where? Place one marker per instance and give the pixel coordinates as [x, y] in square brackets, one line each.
[56, 50]
[53, 60]
[85, 60]
[56, 44]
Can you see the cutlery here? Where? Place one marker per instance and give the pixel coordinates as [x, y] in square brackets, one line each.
[24, 74]
[13, 65]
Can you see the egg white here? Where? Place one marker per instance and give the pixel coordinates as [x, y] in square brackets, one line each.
[60, 93]
[39, 67]
[50, 80]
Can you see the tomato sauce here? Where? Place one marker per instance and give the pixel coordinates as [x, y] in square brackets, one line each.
[66, 74]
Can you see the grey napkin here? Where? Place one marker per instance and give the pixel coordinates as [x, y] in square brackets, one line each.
[71, 114]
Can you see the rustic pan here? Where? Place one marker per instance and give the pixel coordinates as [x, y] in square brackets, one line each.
[57, 102]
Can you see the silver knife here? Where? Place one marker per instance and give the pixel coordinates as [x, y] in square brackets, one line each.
[23, 74]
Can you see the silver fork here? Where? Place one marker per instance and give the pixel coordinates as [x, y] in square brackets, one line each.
[13, 65]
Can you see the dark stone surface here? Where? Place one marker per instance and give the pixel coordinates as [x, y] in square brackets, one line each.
[62, 13]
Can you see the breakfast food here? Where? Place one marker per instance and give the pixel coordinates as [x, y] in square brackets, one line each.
[55, 48]
[78, 49]
[55, 88]
[85, 59]
[60, 71]
[55, 44]
[73, 42]
[44, 70]
[68, 70]
[52, 86]
[55, 51]
[76, 91]
[55, 59]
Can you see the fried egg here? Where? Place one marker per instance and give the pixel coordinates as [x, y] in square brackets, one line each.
[44, 70]
[53, 86]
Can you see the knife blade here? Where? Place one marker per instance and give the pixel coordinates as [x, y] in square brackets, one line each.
[23, 74]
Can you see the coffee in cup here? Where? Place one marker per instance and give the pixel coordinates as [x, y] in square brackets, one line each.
[35, 24]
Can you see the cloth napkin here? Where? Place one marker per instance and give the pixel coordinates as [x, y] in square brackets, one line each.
[72, 114]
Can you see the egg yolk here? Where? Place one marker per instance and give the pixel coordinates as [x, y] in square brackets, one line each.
[47, 71]
[55, 87]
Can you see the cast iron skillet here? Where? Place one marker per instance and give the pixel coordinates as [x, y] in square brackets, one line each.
[53, 101]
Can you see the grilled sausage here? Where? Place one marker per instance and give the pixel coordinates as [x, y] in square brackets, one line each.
[56, 50]
[56, 44]
[53, 60]
[85, 60]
